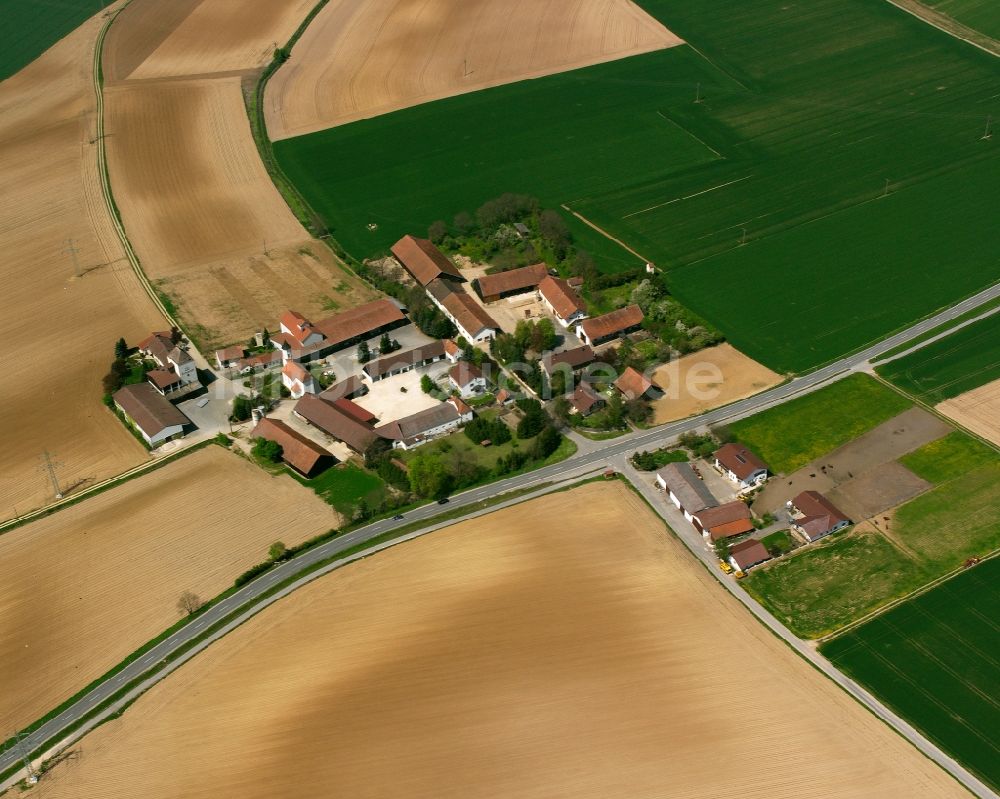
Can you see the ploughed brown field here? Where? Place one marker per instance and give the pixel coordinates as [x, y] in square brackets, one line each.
[59, 321]
[210, 228]
[83, 588]
[978, 410]
[568, 646]
[361, 58]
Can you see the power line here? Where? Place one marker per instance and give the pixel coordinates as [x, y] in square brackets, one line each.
[73, 250]
[22, 750]
[50, 468]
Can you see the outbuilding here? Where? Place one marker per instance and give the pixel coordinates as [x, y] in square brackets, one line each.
[747, 554]
[156, 419]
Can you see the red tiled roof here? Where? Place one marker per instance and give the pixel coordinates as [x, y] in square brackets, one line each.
[561, 297]
[262, 359]
[727, 520]
[451, 347]
[148, 409]
[335, 422]
[296, 450]
[423, 260]
[749, 553]
[633, 384]
[359, 321]
[293, 370]
[739, 460]
[460, 405]
[585, 398]
[355, 410]
[612, 323]
[346, 388]
[469, 314]
[233, 353]
[163, 378]
[819, 514]
[575, 358]
[464, 373]
[521, 279]
[414, 357]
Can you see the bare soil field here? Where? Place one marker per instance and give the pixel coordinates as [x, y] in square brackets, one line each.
[198, 37]
[59, 327]
[83, 588]
[518, 655]
[978, 410]
[361, 58]
[863, 471]
[693, 384]
[211, 230]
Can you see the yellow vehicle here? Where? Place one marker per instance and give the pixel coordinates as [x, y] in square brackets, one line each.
[740, 575]
[725, 567]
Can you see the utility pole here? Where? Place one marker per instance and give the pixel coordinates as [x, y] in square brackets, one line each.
[73, 250]
[697, 94]
[743, 240]
[989, 129]
[50, 468]
[885, 193]
[22, 750]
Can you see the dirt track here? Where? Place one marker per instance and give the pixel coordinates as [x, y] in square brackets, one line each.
[83, 588]
[361, 58]
[978, 410]
[520, 655]
[59, 329]
[209, 226]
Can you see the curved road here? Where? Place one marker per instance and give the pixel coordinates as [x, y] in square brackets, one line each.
[588, 460]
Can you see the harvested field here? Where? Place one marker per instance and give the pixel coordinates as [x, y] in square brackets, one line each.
[210, 228]
[870, 452]
[741, 377]
[361, 58]
[83, 588]
[50, 193]
[472, 657]
[977, 410]
[198, 37]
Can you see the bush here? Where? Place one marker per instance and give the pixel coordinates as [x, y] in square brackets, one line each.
[535, 418]
[267, 450]
[253, 571]
[242, 408]
[548, 441]
[495, 430]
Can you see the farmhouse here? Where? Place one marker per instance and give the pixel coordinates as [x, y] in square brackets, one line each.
[304, 456]
[335, 422]
[605, 328]
[814, 516]
[740, 465]
[303, 340]
[452, 351]
[633, 384]
[471, 319]
[585, 400]
[492, 288]
[424, 261]
[228, 357]
[256, 363]
[399, 362]
[467, 378]
[685, 489]
[157, 346]
[561, 299]
[569, 360]
[419, 428]
[504, 397]
[746, 554]
[176, 372]
[149, 413]
[723, 521]
[297, 379]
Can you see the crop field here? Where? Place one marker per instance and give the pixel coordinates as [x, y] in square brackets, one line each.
[977, 410]
[794, 433]
[83, 588]
[471, 655]
[29, 29]
[792, 142]
[936, 661]
[983, 15]
[967, 359]
[947, 458]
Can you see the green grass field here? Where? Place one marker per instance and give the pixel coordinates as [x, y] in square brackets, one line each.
[947, 458]
[983, 15]
[344, 485]
[965, 360]
[796, 432]
[936, 661]
[29, 29]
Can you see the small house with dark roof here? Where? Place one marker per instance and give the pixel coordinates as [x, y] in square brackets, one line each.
[814, 516]
[685, 489]
[303, 455]
[741, 466]
[633, 384]
[154, 417]
[585, 400]
[747, 554]
[569, 361]
[467, 378]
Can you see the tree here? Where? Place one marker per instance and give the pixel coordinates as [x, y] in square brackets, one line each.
[638, 411]
[427, 385]
[615, 411]
[428, 475]
[242, 408]
[189, 603]
[584, 266]
[277, 551]
[464, 223]
[552, 227]
[385, 344]
[645, 294]
[437, 231]
[364, 353]
[376, 452]
[560, 408]
[543, 335]
[548, 441]
[175, 335]
[265, 337]
[121, 350]
[534, 419]
[267, 450]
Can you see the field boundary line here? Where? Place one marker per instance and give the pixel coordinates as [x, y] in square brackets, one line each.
[952, 27]
[605, 233]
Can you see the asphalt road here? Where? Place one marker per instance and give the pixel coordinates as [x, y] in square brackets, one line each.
[585, 461]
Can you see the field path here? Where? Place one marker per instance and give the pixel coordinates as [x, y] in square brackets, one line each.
[949, 25]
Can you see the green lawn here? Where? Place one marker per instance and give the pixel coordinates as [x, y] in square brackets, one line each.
[780, 541]
[796, 432]
[31, 28]
[983, 15]
[965, 360]
[936, 661]
[344, 485]
[824, 586]
[947, 458]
